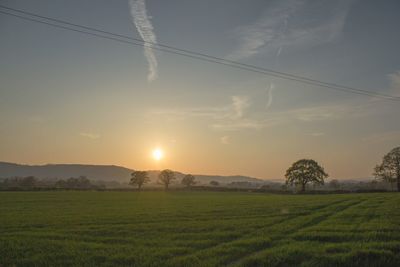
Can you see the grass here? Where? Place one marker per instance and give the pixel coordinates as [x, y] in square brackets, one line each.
[198, 229]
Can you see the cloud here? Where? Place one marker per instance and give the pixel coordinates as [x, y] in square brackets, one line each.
[269, 94]
[303, 115]
[36, 119]
[235, 117]
[146, 30]
[390, 136]
[231, 117]
[395, 83]
[317, 134]
[294, 24]
[395, 78]
[279, 52]
[317, 113]
[233, 111]
[225, 140]
[184, 113]
[238, 125]
[89, 135]
[239, 103]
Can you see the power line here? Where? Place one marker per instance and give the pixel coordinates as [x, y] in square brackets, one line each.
[188, 53]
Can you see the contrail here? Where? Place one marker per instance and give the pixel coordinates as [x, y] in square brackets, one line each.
[271, 84]
[278, 53]
[146, 31]
[285, 23]
[269, 93]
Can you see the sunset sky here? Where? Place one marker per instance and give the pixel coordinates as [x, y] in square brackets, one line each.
[67, 97]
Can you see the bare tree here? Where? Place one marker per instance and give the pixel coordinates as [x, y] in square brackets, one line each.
[334, 184]
[139, 178]
[29, 181]
[214, 183]
[389, 169]
[166, 177]
[188, 180]
[305, 171]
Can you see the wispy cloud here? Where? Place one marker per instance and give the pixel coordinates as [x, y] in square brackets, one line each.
[319, 113]
[173, 114]
[146, 30]
[241, 115]
[233, 111]
[308, 115]
[36, 119]
[395, 78]
[317, 134]
[231, 117]
[338, 111]
[237, 125]
[239, 103]
[390, 136]
[90, 135]
[292, 24]
[395, 83]
[269, 94]
[225, 140]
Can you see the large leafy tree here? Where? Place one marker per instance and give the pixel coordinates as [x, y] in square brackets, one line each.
[188, 180]
[389, 169]
[139, 178]
[166, 177]
[305, 171]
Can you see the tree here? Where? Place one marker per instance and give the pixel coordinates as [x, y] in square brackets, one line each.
[188, 180]
[29, 181]
[166, 177]
[334, 184]
[83, 182]
[372, 185]
[305, 171]
[139, 178]
[214, 183]
[389, 169]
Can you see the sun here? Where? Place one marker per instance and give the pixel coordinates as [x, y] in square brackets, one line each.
[158, 154]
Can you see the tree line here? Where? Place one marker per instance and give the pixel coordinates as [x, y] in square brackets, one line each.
[299, 174]
[30, 182]
[139, 178]
[306, 171]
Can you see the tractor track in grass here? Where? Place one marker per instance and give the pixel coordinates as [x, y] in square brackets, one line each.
[252, 234]
[287, 234]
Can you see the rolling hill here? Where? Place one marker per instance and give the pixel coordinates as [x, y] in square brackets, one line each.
[102, 173]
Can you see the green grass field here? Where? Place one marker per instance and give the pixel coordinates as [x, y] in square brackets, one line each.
[198, 229]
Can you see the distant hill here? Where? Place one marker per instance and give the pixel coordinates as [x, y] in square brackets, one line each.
[102, 173]
[63, 171]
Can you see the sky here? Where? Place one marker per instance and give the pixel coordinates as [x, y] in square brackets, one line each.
[67, 97]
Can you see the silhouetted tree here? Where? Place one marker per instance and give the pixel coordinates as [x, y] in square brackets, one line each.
[305, 171]
[389, 169]
[139, 178]
[166, 177]
[188, 180]
[61, 184]
[214, 183]
[83, 182]
[75, 183]
[372, 184]
[28, 181]
[334, 184]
